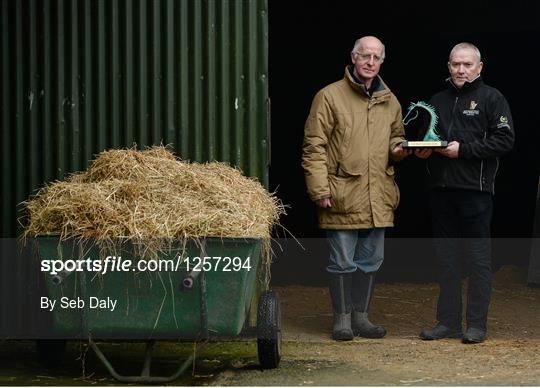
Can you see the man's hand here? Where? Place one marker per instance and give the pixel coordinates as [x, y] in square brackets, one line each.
[423, 153]
[323, 202]
[451, 151]
[400, 152]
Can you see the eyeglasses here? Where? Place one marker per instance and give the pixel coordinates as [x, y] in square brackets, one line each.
[368, 57]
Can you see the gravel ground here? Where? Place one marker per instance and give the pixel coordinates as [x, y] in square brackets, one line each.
[510, 356]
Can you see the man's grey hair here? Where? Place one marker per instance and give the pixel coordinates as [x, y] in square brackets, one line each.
[465, 45]
[358, 42]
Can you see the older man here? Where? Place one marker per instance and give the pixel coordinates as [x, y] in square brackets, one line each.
[352, 134]
[476, 120]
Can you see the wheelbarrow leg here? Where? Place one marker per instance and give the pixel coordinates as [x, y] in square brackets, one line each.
[145, 374]
[148, 358]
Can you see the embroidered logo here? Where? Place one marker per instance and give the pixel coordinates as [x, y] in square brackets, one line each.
[472, 111]
[503, 122]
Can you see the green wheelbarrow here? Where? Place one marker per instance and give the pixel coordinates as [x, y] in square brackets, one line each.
[204, 290]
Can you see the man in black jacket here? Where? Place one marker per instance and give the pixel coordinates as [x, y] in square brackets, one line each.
[476, 120]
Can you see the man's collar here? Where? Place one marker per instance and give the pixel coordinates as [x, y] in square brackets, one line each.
[375, 83]
[468, 85]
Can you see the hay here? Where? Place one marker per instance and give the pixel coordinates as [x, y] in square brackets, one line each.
[148, 195]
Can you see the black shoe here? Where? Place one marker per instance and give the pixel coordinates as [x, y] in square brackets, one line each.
[439, 332]
[474, 336]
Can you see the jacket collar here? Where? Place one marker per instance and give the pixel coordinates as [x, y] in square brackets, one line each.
[467, 86]
[378, 89]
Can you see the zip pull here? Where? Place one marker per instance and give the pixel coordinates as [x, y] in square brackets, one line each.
[452, 118]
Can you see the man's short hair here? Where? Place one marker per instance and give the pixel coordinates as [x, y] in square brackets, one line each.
[465, 45]
[357, 43]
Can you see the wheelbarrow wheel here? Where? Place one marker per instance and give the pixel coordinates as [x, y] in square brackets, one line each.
[269, 330]
[50, 353]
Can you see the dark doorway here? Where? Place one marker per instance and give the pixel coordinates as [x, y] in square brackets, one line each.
[310, 44]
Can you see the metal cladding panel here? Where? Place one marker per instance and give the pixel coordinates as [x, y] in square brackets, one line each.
[79, 77]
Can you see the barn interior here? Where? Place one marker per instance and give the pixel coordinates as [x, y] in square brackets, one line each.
[309, 46]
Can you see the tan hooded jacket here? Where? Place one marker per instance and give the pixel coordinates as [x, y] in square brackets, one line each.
[348, 137]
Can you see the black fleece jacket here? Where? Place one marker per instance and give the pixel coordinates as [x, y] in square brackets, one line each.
[479, 118]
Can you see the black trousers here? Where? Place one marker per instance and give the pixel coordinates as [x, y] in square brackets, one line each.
[461, 222]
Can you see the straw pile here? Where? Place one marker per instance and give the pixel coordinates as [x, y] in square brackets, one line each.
[150, 194]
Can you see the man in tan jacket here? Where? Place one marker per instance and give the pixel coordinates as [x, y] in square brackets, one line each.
[353, 133]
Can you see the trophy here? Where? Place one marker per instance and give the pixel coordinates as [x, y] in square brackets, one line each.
[420, 124]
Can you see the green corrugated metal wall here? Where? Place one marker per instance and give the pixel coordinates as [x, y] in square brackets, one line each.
[82, 76]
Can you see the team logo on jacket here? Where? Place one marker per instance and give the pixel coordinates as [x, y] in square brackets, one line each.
[472, 111]
[503, 122]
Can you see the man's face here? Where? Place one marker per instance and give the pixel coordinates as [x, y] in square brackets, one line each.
[367, 60]
[464, 66]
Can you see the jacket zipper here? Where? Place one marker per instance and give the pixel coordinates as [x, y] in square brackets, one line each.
[482, 169]
[452, 115]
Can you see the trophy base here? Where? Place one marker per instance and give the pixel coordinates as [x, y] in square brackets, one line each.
[424, 144]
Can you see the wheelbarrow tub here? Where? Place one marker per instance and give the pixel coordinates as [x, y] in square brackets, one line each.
[154, 305]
